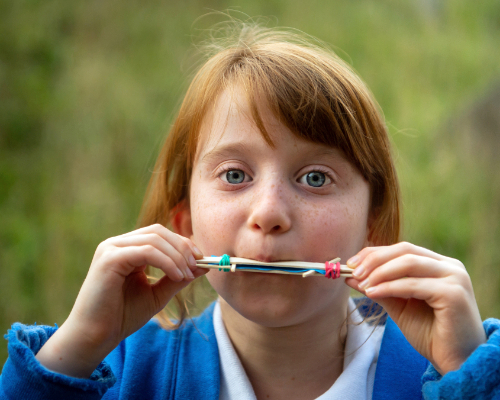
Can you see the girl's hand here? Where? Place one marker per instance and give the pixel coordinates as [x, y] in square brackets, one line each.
[116, 298]
[429, 296]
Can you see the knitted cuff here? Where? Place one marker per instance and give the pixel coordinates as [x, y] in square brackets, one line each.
[477, 378]
[24, 377]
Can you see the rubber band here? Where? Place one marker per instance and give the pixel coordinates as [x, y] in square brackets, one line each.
[328, 269]
[225, 261]
[332, 270]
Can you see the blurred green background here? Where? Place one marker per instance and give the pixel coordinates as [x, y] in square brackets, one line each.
[88, 90]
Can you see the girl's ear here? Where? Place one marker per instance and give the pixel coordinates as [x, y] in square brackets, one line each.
[180, 218]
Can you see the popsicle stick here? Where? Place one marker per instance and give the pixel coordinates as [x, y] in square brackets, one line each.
[240, 264]
[283, 264]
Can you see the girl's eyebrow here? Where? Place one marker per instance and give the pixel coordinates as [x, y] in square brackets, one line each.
[239, 149]
[226, 151]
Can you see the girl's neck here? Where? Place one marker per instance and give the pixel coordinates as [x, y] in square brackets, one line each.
[295, 362]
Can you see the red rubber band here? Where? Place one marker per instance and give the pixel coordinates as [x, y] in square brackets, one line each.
[330, 272]
[328, 269]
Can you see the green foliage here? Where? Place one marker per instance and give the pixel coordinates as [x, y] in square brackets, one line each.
[88, 90]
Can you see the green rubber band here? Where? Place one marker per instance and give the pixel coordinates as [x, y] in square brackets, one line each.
[225, 261]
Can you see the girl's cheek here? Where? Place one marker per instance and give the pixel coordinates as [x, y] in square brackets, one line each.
[213, 222]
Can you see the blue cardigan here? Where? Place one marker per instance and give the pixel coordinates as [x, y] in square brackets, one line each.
[155, 363]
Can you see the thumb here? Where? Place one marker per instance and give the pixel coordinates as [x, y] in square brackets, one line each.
[165, 289]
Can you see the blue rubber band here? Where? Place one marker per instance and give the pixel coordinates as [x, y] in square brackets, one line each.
[284, 269]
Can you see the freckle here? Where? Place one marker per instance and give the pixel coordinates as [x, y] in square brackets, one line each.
[293, 378]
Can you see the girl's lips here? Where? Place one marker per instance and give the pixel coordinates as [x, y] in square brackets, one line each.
[259, 275]
[268, 259]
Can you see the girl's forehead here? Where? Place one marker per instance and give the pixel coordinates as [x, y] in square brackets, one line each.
[229, 126]
[230, 119]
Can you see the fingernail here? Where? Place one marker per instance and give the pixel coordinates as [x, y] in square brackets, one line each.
[358, 272]
[370, 290]
[353, 262]
[364, 284]
[192, 261]
[180, 275]
[197, 251]
[189, 274]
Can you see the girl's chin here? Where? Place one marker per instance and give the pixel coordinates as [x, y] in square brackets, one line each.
[269, 312]
[275, 300]
[273, 308]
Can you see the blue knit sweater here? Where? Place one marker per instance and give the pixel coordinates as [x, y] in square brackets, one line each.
[154, 363]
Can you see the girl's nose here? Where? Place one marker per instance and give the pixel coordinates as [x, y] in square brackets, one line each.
[270, 213]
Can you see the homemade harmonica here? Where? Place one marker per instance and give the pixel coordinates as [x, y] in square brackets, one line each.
[330, 269]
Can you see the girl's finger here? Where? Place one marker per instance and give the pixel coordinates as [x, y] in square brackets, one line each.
[371, 257]
[408, 265]
[429, 290]
[196, 251]
[144, 229]
[181, 243]
[184, 262]
[168, 235]
[125, 259]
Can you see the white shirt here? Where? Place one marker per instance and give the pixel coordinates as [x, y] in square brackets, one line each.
[355, 382]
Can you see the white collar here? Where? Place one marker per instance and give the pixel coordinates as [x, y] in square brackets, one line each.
[355, 382]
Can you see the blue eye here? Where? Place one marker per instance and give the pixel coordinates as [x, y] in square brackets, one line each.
[235, 176]
[315, 179]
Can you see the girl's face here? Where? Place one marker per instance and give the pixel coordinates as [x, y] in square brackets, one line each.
[297, 200]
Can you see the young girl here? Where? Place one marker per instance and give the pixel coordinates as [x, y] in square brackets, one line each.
[278, 153]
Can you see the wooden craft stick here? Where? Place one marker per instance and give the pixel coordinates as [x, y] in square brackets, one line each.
[238, 264]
